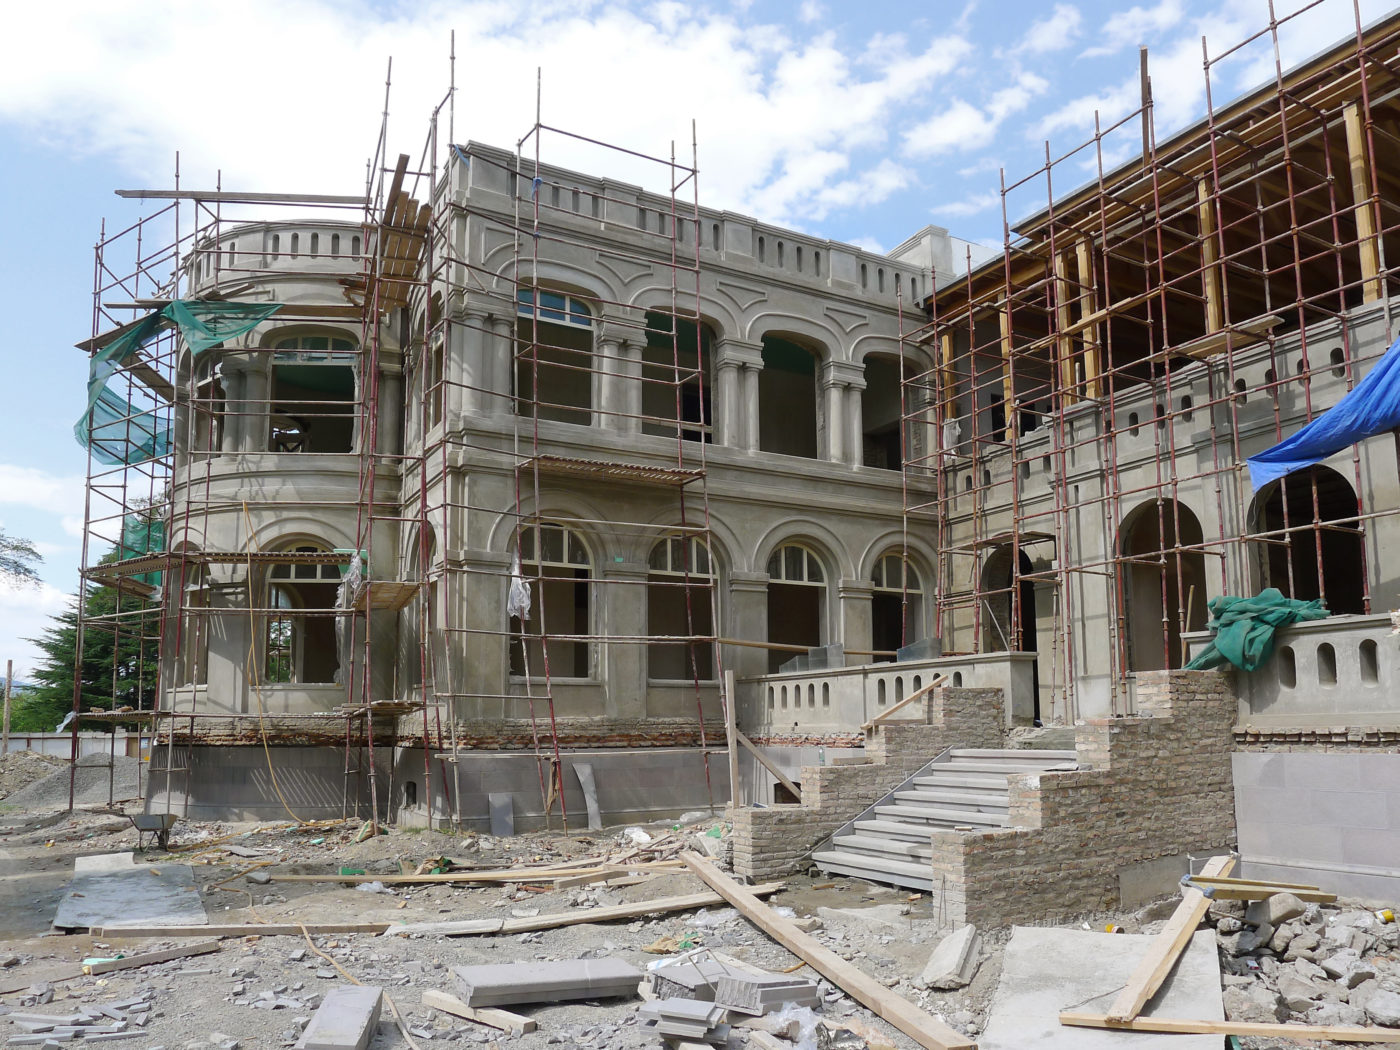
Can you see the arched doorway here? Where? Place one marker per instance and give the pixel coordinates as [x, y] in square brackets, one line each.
[1007, 626]
[1313, 545]
[796, 600]
[1163, 586]
[559, 569]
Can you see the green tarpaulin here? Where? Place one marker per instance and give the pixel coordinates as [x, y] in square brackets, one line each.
[119, 432]
[1244, 628]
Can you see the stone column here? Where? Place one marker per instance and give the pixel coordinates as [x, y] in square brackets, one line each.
[469, 369]
[737, 364]
[856, 618]
[855, 425]
[839, 380]
[500, 368]
[835, 395]
[235, 376]
[748, 618]
[624, 664]
[256, 409]
[229, 636]
[478, 659]
[608, 380]
[390, 421]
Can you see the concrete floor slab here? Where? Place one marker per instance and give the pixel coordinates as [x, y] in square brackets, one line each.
[110, 890]
[1045, 971]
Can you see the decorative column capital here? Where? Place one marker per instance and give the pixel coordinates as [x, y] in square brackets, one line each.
[843, 373]
[738, 352]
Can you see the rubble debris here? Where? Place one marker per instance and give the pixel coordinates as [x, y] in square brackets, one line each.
[345, 1020]
[954, 962]
[757, 995]
[536, 982]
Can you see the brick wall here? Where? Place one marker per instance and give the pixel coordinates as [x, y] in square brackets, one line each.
[1326, 738]
[777, 840]
[1160, 785]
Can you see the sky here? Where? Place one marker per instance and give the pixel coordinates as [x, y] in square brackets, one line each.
[857, 122]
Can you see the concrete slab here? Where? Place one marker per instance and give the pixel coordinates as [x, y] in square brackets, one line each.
[494, 984]
[1045, 971]
[502, 813]
[345, 1020]
[110, 891]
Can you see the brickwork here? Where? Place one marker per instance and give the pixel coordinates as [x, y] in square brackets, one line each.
[1159, 785]
[776, 840]
[278, 731]
[1329, 738]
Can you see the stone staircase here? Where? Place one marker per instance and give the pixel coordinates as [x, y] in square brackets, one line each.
[963, 789]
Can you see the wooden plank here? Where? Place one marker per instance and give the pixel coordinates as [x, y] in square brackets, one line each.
[1167, 948]
[1259, 893]
[925, 1029]
[1238, 336]
[917, 694]
[150, 958]
[731, 724]
[1210, 257]
[1064, 343]
[1318, 1032]
[1093, 367]
[766, 764]
[1367, 243]
[1221, 880]
[504, 875]
[576, 916]
[492, 1017]
[281, 929]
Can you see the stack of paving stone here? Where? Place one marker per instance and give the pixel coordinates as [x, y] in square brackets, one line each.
[686, 1019]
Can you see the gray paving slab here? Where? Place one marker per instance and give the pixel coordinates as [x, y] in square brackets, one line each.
[1045, 971]
[345, 1020]
[502, 804]
[109, 890]
[538, 982]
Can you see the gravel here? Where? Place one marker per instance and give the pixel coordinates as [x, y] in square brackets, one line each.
[94, 784]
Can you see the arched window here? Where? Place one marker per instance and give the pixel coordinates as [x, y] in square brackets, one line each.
[796, 601]
[787, 399]
[192, 659]
[299, 643]
[893, 624]
[313, 394]
[677, 377]
[1309, 519]
[1164, 585]
[680, 574]
[554, 356]
[555, 562]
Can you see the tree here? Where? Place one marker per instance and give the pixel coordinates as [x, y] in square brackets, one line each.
[120, 659]
[17, 560]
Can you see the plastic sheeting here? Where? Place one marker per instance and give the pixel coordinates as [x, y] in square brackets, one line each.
[1372, 407]
[117, 431]
[1244, 628]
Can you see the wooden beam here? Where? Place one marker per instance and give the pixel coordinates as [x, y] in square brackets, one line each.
[925, 1029]
[1238, 336]
[1167, 947]
[1093, 361]
[504, 875]
[937, 681]
[731, 726]
[1008, 383]
[1210, 257]
[576, 916]
[493, 1017]
[1362, 205]
[150, 958]
[228, 197]
[947, 378]
[1310, 1032]
[764, 761]
[271, 929]
[1064, 318]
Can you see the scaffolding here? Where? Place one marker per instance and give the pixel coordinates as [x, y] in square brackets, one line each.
[1097, 388]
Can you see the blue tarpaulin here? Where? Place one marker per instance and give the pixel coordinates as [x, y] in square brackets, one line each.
[1372, 407]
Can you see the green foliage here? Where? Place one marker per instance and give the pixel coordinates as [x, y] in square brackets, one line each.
[120, 660]
[18, 559]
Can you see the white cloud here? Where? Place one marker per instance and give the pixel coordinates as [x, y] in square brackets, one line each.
[24, 613]
[965, 127]
[973, 205]
[1053, 33]
[770, 100]
[869, 244]
[811, 11]
[58, 495]
[1137, 25]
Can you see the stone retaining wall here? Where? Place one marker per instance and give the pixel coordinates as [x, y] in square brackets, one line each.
[777, 840]
[1158, 785]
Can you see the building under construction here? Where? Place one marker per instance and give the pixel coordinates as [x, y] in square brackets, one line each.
[506, 494]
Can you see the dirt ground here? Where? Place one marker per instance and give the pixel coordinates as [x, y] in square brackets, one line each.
[260, 991]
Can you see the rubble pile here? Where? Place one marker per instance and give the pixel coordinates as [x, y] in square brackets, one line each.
[1284, 961]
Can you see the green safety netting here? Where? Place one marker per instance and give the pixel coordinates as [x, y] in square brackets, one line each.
[142, 536]
[116, 430]
[1244, 628]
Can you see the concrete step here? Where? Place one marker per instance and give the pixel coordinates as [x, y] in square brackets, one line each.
[994, 782]
[892, 830]
[898, 873]
[878, 846]
[989, 795]
[937, 817]
[1002, 767]
[973, 802]
[1015, 753]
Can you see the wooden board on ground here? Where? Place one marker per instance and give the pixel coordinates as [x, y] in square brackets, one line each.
[492, 1017]
[149, 958]
[520, 875]
[925, 1029]
[578, 916]
[1179, 1026]
[270, 929]
[1168, 946]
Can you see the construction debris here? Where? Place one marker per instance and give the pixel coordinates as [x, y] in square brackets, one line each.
[539, 982]
[954, 962]
[757, 995]
[345, 1020]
